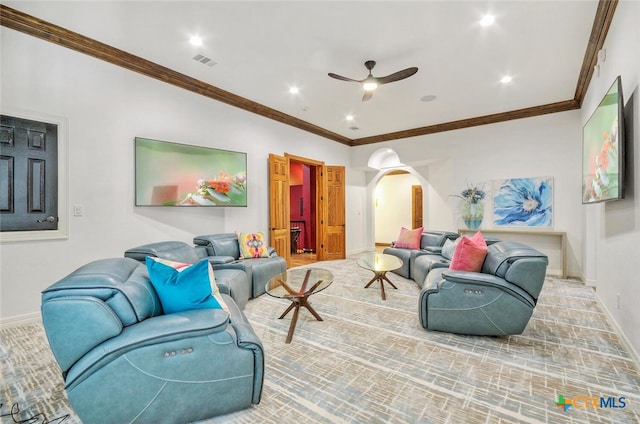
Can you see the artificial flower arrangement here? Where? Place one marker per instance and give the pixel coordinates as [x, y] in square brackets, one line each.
[472, 194]
[472, 208]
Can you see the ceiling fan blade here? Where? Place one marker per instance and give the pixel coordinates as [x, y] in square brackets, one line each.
[341, 78]
[397, 76]
[367, 96]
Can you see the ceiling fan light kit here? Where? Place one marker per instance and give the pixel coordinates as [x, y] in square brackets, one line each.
[370, 83]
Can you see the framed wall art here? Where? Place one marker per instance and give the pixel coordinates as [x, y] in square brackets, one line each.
[603, 149]
[523, 202]
[172, 174]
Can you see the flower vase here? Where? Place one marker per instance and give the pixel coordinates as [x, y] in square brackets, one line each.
[472, 214]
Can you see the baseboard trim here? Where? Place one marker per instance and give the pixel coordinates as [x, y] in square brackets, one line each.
[18, 320]
[354, 253]
[635, 357]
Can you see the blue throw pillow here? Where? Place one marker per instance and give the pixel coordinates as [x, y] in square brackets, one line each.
[182, 287]
[448, 248]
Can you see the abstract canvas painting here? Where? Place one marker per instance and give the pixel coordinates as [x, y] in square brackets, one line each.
[603, 149]
[523, 202]
[173, 174]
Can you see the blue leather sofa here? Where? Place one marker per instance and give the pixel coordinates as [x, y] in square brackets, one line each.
[233, 282]
[497, 301]
[423, 261]
[123, 360]
[224, 253]
[428, 239]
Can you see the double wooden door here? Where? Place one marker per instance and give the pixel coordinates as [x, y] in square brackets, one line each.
[330, 216]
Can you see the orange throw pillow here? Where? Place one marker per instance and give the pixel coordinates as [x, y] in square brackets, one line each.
[409, 239]
[469, 254]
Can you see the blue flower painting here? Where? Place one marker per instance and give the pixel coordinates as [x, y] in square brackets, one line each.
[525, 202]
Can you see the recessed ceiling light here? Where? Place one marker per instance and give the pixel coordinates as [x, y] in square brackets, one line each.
[349, 117]
[487, 20]
[294, 90]
[506, 79]
[195, 40]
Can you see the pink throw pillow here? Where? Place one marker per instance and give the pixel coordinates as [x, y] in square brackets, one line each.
[469, 254]
[409, 239]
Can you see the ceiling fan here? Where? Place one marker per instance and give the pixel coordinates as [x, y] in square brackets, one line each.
[370, 83]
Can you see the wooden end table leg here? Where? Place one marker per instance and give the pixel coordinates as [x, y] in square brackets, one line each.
[304, 302]
[381, 276]
[388, 281]
[293, 304]
[294, 320]
[375, 278]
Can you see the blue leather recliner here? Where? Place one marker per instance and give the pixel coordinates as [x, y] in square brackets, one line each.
[224, 253]
[497, 301]
[233, 282]
[123, 360]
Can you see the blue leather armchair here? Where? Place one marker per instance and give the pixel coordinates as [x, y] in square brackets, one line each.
[124, 361]
[233, 282]
[497, 301]
[224, 253]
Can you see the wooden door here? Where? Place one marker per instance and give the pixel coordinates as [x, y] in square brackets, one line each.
[416, 206]
[279, 230]
[28, 175]
[333, 245]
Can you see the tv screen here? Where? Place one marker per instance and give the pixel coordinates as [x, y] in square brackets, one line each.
[603, 149]
[172, 174]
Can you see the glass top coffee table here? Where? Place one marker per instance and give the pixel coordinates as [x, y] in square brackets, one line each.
[297, 285]
[380, 264]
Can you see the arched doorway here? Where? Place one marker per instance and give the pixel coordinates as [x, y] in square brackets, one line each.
[398, 203]
[397, 197]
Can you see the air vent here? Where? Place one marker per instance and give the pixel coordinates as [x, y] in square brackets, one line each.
[204, 60]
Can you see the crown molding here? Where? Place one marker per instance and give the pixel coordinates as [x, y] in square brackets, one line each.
[19, 21]
[529, 112]
[599, 30]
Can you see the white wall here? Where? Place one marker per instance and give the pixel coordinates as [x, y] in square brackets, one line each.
[612, 230]
[105, 107]
[542, 146]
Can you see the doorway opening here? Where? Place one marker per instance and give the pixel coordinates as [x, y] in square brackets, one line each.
[398, 203]
[303, 212]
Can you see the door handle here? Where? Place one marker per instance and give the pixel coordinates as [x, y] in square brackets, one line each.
[47, 219]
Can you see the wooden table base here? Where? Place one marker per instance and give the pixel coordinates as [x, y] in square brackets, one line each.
[382, 277]
[296, 303]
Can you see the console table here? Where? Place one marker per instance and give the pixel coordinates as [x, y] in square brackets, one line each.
[539, 239]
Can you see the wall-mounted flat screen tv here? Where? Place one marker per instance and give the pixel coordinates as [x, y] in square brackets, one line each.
[603, 149]
[172, 174]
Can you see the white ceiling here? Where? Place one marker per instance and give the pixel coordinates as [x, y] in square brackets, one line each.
[262, 48]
